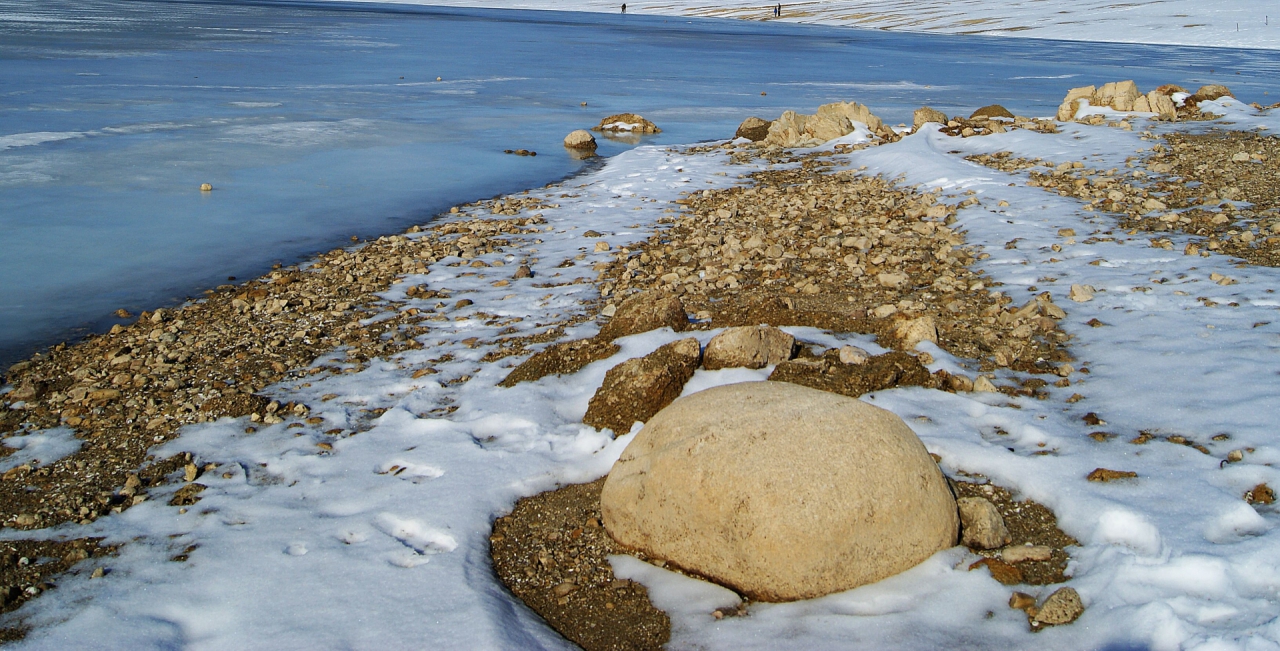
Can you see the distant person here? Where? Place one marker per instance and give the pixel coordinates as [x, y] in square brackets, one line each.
[624, 7]
[777, 11]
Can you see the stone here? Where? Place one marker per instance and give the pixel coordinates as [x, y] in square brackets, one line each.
[1021, 601]
[1024, 553]
[753, 129]
[992, 111]
[1209, 92]
[1062, 607]
[853, 355]
[523, 271]
[981, 526]
[645, 312]
[1106, 475]
[737, 484]
[638, 388]
[1083, 92]
[892, 280]
[959, 383]
[910, 332]
[984, 385]
[206, 187]
[1260, 494]
[580, 139]
[1119, 95]
[925, 115]
[748, 347]
[851, 111]
[1080, 293]
[1001, 571]
[628, 123]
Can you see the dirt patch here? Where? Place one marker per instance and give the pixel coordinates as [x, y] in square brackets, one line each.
[1222, 188]
[1029, 523]
[564, 358]
[28, 567]
[828, 373]
[551, 551]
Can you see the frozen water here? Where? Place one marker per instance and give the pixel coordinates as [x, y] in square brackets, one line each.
[114, 113]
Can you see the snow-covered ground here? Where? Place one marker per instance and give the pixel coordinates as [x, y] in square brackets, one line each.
[1221, 23]
[295, 546]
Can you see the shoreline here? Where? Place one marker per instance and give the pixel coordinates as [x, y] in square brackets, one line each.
[248, 352]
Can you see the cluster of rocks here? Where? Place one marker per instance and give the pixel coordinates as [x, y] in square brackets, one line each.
[125, 391]
[1220, 187]
[982, 122]
[626, 123]
[838, 250]
[1169, 102]
[831, 121]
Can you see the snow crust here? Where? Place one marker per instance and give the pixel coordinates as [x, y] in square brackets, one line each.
[1222, 23]
[301, 547]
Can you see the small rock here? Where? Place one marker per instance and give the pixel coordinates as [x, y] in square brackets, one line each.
[627, 123]
[1024, 553]
[609, 310]
[1081, 293]
[992, 111]
[1001, 571]
[523, 272]
[1106, 475]
[1260, 494]
[1209, 92]
[1235, 456]
[565, 589]
[748, 347]
[1062, 607]
[983, 385]
[925, 115]
[205, 187]
[892, 280]
[466, 302]
[911, 332]
[580, 139]
[981, 526]
[883, 311]
[853, 355]
[1021, 601]
[753, 129]
[959, 383]
[601, 246]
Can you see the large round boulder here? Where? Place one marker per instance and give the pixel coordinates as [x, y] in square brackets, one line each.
[779, 491]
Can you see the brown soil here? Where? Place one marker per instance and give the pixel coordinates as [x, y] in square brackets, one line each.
[28, 567]
[1028, 522]
[552, 553]
[1197, 183]
[564, 358]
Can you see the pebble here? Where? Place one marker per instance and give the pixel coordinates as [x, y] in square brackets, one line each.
[1024, 553]
[1061, 607]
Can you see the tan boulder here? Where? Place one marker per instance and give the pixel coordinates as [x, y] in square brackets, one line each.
[1210, 92]
[992, 111]
[638, 388]
[1162, 106]
[1067, 110]
[981, 525]
[753, 129]
[779, 492]
[925, 115]
[1119, 95]
[1083, 92]
[645, 312]
[628, 123]
[853, 112]
[580, 139]
[910, 332]
[748, 347]
[1142, 105]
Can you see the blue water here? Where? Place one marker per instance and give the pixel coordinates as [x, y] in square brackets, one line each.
[316, 122]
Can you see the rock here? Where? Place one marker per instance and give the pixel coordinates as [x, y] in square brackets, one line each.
[1067, 111]
[580, 139]
[925, 115]
[1001, 571]
[1021, 601]
[981, 526]
[992, 111]
[892, 280]
[753, 129]
[187, 495]
[205, 187]
[875, 374]
[735, 483]
[831, 121]
[853, 112]
[853, 355]
[1081, 293]
[1062, 607]
[523, 271]
[561, 359]
[984, 385]
[645, 312]
[910, 332]
[627, 122]
[638, 388]
[1083, 92]
[1260, 494]
[1169, 89]
[1119, 95]
[748, 347]
[1024, 553]
[1105, 475]
[959, 383]
[1210, 92]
